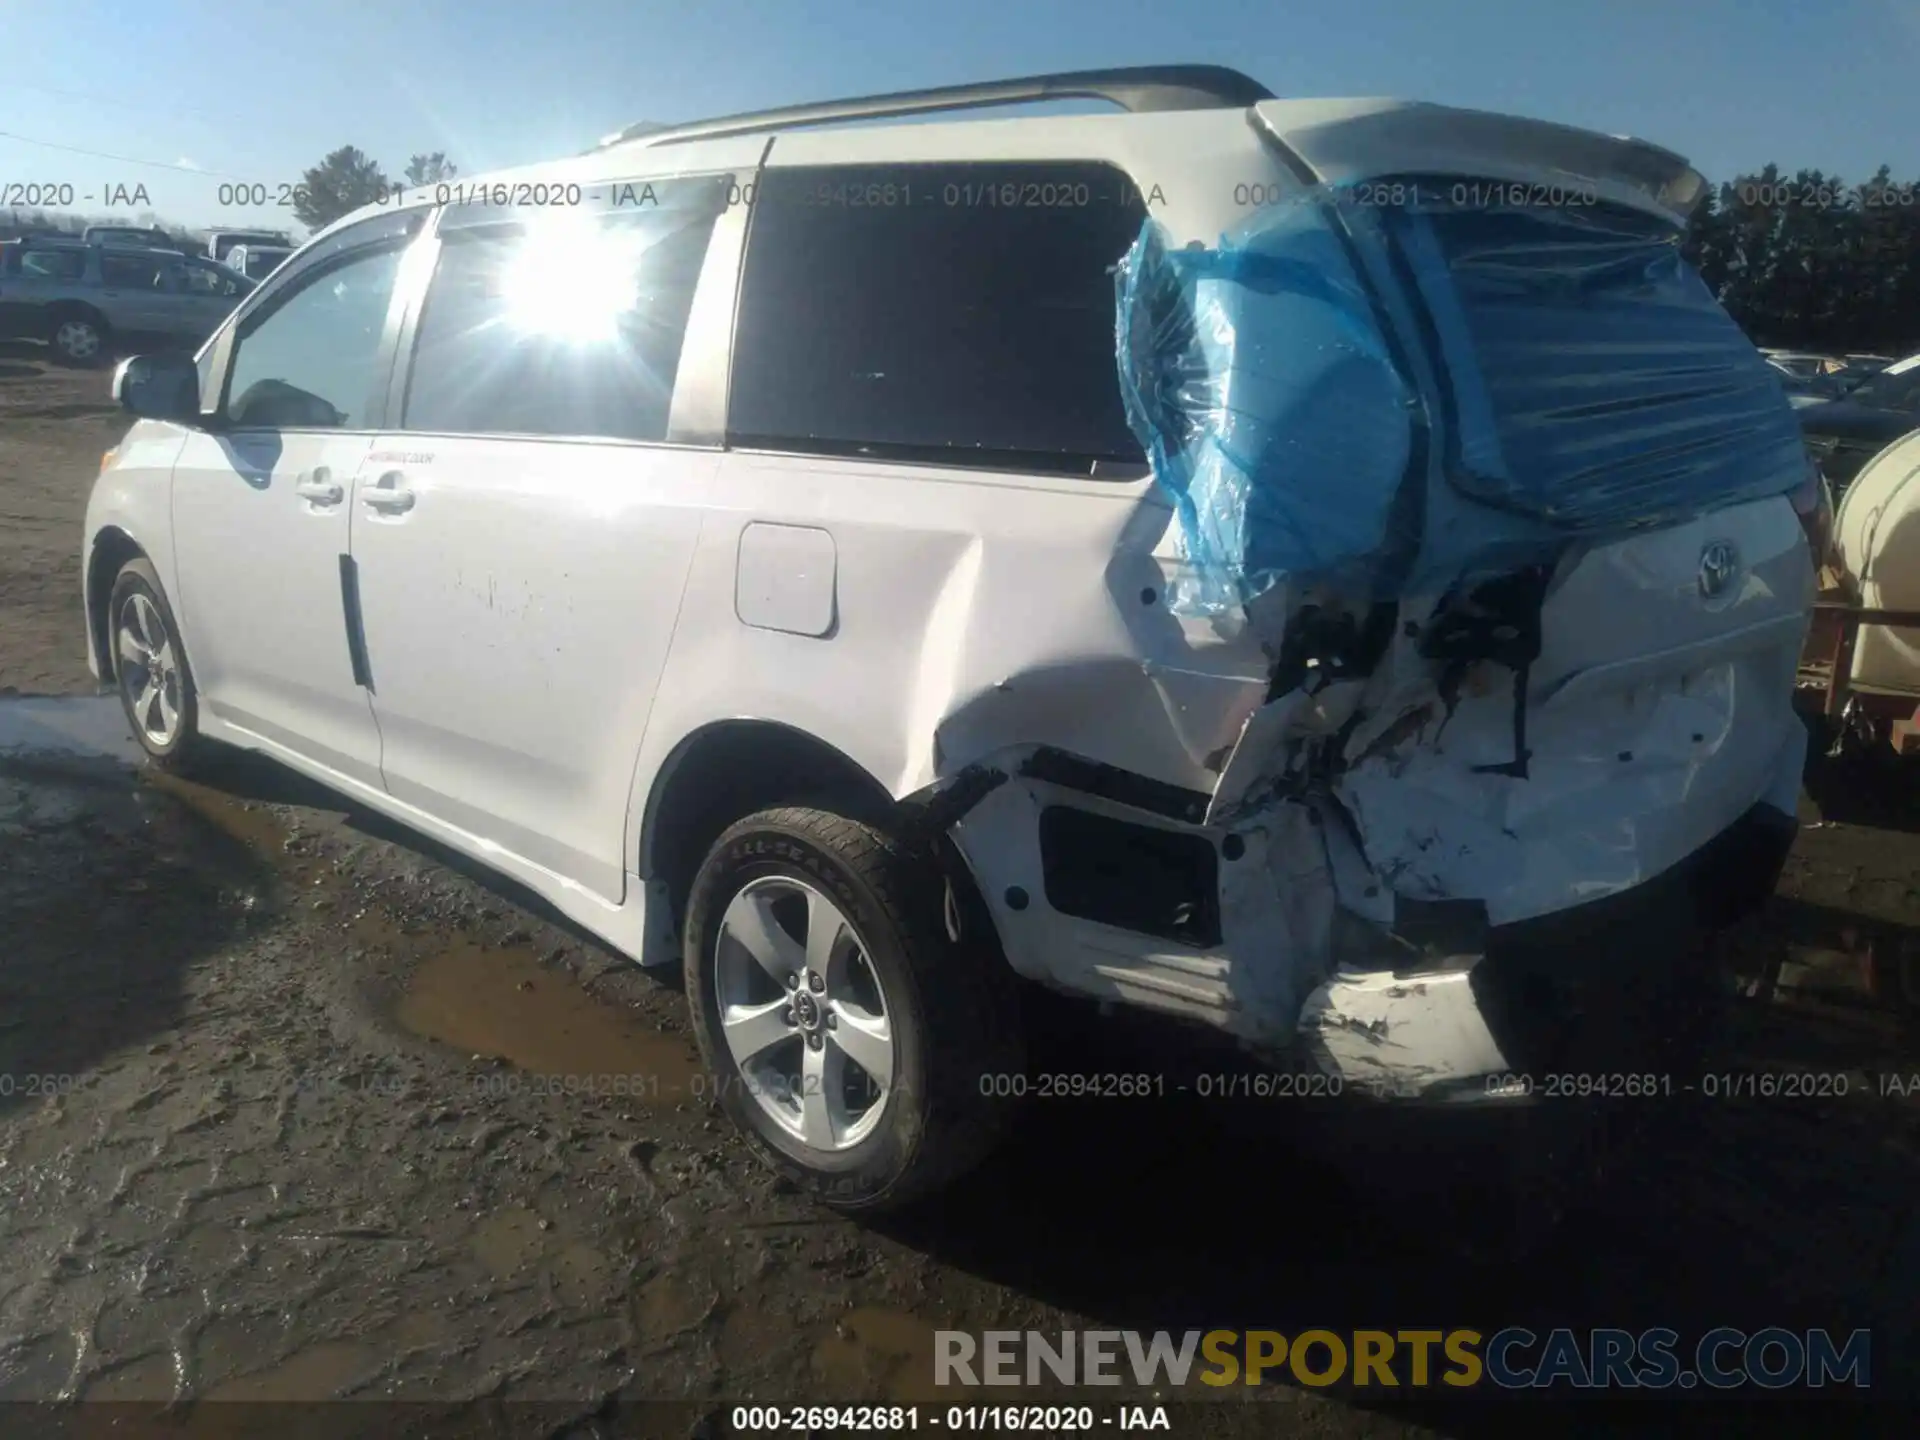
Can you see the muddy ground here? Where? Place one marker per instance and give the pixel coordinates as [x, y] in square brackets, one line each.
[294, 1106]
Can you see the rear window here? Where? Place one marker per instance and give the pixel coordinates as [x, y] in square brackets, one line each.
[53, 264]
[1594, 378]
[958, 314]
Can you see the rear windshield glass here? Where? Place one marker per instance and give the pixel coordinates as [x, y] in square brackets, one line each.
[1594, 378]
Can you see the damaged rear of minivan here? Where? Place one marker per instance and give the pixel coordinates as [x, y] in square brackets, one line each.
[1413, 717]
[1509, 510]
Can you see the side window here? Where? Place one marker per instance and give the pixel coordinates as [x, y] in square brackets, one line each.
[210, 280]
[1906, 395]
[309, 360]
[569, 323]
[53, 264]
[955, 313]
[131, 270]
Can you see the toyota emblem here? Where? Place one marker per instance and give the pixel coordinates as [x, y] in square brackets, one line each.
[1719, 568]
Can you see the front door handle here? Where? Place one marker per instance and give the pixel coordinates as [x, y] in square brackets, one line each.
[319, 486]
[390, 493]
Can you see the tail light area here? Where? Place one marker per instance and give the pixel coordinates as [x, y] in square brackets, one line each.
[1813, 503]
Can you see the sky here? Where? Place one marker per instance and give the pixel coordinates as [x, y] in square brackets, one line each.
[211, 95]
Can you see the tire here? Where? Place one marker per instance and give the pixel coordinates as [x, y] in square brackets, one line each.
[80, 337]
[140, 623]
[950, 1006]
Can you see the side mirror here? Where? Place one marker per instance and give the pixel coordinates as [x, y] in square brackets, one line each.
[159, 387]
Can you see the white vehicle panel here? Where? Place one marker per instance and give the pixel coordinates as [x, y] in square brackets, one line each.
[517, 615]
[260, 523]
[133, 497]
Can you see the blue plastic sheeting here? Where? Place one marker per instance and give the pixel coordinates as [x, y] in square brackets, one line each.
[1586, 384]
[1599, 384]
[1259, 384]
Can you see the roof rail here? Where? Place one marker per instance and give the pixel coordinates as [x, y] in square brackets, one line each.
[1137, 88]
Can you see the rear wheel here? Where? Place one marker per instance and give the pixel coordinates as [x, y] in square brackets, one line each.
[150, 669]
[79, 337]
[853, 1012]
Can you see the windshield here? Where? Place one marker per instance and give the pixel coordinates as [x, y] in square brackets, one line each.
[1896, 389]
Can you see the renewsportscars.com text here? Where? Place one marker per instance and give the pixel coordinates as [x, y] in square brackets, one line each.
[1514, 1358]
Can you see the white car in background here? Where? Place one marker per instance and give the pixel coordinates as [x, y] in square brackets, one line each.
[257, 262]
[813, 601]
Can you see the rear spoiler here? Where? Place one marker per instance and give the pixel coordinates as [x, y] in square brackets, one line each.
[1346, 142]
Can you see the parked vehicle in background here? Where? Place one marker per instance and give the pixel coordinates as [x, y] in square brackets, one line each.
[219, 242]
[1843, 434]
[1867, 366]
[256, 262]
[1801, 364]
[1808, 379]
[83, 300]
[141, 237]
[1866, 673]
[842, 635]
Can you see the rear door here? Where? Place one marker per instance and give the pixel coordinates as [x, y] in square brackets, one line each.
[262, 499]
[524, 533]
[134, 293]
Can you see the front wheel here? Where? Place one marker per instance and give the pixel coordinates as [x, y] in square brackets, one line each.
[79, 338]
[150, 669]
[853, 1012]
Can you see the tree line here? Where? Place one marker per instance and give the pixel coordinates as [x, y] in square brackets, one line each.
[1810, 262]
[350, 178]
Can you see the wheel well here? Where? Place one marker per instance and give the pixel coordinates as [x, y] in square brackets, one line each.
[731, 769]
[112, 549]
[60, 309]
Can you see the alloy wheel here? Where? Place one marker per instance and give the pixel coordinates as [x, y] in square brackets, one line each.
[77, 339]
[149, 671]
[803, 1013]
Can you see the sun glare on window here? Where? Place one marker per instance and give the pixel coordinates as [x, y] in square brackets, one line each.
[570, 279]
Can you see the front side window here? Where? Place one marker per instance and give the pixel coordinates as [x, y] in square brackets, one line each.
[959, 314]
[132, 271]
[569, 323]
[210, 280]
[311, 359]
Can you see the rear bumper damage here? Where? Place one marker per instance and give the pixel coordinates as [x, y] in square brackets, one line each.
[1468, 1012]
[1281, 934]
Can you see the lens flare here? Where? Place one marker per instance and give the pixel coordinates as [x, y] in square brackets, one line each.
[570, 280]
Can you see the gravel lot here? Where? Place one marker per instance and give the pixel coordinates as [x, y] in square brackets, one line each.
[279, 1120]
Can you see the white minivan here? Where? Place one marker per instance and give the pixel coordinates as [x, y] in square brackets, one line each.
[1326, 571]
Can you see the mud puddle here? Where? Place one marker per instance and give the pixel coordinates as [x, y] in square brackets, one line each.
[485, 1001]
[92, 726]
[504, 1004]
